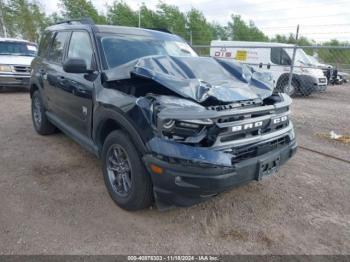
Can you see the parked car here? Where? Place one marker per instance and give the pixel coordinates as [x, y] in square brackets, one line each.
[275, 58]
[168, 125]
[15, 58]
[343, 77]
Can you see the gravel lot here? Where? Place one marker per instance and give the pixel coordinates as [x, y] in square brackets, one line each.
[53, 199]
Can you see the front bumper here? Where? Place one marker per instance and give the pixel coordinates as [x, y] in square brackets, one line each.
[182, 185]
[14, 80]
[310, 84]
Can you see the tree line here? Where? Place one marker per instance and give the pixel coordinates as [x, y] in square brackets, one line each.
[27, 19]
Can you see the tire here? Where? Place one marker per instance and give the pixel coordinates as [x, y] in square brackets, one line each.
[41, 123]
[124, 173]
[305, 91]
[284, 88]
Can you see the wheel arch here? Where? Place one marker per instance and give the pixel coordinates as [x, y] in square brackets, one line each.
[111, 120]
[33, 87]
[285, 77]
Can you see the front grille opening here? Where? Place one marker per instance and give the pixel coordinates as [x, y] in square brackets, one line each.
[240, 104]
[233, 137]
[230, 119]
[250, 151]
[22, 69]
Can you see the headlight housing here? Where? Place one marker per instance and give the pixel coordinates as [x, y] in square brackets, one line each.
[5, 68]
[182, 129]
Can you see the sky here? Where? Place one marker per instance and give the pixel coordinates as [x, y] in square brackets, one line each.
[320, 20]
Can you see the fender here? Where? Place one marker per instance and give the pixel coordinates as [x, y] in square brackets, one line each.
[103, 114]
[284, 76]
[36, 83]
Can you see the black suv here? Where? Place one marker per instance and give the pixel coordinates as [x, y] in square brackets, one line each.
[169, 126]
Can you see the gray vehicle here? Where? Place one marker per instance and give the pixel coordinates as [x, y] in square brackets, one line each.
[15, 59]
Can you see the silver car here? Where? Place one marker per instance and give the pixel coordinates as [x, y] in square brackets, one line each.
[15, 59]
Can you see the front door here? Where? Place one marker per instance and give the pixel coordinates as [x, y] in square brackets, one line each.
[76, 90]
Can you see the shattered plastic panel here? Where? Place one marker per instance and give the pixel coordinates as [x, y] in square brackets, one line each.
[195, 154]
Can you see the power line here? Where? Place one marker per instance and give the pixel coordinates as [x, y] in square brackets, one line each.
[301, 7]
[307, 17]
[324, 33]
[303, 26]
[237, 6]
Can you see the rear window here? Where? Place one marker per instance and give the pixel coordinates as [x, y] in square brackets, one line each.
[17, 48]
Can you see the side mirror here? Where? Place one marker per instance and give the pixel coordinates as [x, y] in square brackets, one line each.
[76, 66]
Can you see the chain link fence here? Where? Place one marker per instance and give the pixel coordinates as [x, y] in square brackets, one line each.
[295, 70]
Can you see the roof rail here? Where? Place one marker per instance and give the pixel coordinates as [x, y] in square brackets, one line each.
[84, 21]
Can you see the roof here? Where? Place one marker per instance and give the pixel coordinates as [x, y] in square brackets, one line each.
[15, 40]
[112, 29]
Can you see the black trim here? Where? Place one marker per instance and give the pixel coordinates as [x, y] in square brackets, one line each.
[85, 142]
[181, 185]
[116, 115]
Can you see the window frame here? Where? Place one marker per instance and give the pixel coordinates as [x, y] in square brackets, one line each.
[281, 52]
[55, 33]
[43, 53]
[94, 65]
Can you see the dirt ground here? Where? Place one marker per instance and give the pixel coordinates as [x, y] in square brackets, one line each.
[53, 199]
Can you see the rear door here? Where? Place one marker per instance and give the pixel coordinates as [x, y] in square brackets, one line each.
[40, 64]
[53, 73]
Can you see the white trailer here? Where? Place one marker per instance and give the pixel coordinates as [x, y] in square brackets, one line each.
[275, 58]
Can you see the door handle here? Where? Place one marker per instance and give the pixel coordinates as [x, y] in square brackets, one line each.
[42, 71]
[61, 80]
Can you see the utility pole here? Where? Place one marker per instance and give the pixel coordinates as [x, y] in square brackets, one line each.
[139, 16]
[293, 59]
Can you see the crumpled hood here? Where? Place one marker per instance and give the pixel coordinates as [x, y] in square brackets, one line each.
[198, 78]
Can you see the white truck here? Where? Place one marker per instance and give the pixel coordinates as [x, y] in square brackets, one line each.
[15, 58]
[275, 58]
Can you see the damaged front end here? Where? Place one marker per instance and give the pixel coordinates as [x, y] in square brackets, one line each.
[209, 125]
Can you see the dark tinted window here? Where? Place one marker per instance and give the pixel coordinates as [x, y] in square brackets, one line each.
[45, 44]
[80, 47]
[57, 47]
[276, 55]
[285, 59]
[279, 56]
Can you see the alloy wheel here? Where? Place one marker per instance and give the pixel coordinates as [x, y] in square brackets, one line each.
[37, 111]
[119, 170]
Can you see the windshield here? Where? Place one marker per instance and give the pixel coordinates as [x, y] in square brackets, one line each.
[119, 50]
[300, 56]
[313, 60]
[17, 49]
